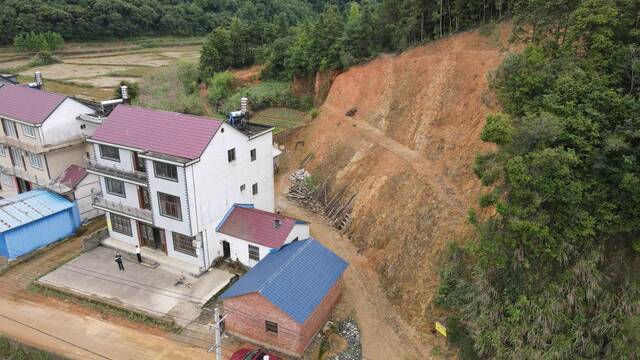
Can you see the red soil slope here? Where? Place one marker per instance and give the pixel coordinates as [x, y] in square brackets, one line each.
[408, 155]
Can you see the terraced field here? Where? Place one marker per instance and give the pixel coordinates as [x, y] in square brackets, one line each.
[93, 70]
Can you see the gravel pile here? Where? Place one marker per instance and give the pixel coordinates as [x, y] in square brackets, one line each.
[349, 331]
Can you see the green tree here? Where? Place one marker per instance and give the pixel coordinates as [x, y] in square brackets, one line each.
[216, 54]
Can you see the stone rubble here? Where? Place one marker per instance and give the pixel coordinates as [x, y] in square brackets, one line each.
[350, 332]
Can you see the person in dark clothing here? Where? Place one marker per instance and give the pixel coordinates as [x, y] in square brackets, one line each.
[139, 254]
[119, 261]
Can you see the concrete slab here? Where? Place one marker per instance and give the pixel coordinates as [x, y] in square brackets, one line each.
[159, 292]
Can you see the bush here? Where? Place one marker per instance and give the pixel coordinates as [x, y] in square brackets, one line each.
[221, 86]
[498, 129]
[264, 95]
[314, 113]
[458, 336]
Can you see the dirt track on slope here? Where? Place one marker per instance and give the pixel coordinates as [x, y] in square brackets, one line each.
[408, 156]
[385, 335]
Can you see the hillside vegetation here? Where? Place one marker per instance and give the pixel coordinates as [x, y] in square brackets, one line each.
[117, 19]
[553, 271]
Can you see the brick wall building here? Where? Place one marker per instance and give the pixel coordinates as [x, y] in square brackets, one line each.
[285, 300]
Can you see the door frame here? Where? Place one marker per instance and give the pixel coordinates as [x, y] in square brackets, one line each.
[227, 247]
[161, 232]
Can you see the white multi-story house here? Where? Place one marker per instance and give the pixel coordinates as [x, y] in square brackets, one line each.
[248, 234]
[40, 139]
[168, 179]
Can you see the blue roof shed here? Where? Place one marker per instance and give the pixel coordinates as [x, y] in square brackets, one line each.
[295, 278]
[35, 219]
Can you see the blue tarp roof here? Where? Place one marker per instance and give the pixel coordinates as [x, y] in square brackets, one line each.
[295, 278]
[30, 206]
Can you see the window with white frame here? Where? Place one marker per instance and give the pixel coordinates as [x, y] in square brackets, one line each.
[165, 171]
[29, 131]
[184, 244]
[35, 160]
[115, 187]
[170, 206]
[110, 153]
[254, 253]
[7, 180]
[120, 224]
[9, 128]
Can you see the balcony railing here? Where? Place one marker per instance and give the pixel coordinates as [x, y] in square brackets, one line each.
[35, 179]
[36, 146]
[24, 174]
[138, 177]
[99, 201]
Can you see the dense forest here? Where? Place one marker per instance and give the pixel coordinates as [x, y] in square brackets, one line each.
[552, 272]
[82, 20]
[342, 34]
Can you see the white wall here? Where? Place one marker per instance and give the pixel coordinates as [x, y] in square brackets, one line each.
[300, 231]
[240, 249]
[82, 195]
[216, 182]
[131, 192]
[175, 188]
[125, 163]
[131, 240]
[61, 126]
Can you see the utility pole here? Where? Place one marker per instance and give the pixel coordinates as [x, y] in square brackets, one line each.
[216, 327]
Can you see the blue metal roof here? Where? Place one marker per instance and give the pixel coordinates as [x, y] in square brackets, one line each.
[295, 278]
[30, 206]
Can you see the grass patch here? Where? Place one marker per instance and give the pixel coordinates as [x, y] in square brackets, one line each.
[264, 95]
[71, 89]
[106, 309]
[281, 118]
[133, 72]
[10, 349]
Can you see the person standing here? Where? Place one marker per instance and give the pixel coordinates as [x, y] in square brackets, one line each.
[119, 261]
[139, 254]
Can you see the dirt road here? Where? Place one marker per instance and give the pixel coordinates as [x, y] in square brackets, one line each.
[83, 337]
[71, 330]
[385, 335]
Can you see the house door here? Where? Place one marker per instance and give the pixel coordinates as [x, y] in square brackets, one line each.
[23, 185]
[226, 249]
[152, 237]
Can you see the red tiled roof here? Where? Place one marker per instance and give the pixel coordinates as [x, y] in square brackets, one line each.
[26, 104]
[257, 226]
[71, 176]
[164, 132]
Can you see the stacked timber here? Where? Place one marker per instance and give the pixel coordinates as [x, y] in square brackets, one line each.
[335, 208]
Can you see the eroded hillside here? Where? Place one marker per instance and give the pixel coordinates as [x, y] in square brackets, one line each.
[408, 155]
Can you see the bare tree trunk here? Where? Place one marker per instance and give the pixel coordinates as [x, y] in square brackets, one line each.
[450, 26]
[422, 26]
[441, 14]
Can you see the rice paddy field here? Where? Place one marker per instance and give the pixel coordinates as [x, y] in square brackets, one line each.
[93, 70]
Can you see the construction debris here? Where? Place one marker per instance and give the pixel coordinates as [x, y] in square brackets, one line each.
[318, 199]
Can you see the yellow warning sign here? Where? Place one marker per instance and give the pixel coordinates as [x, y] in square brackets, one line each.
[441, 329]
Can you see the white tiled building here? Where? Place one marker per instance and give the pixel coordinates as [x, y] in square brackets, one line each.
[167, 180]
[40, 138]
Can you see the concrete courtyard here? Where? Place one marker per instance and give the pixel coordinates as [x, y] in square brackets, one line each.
[159, 291]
